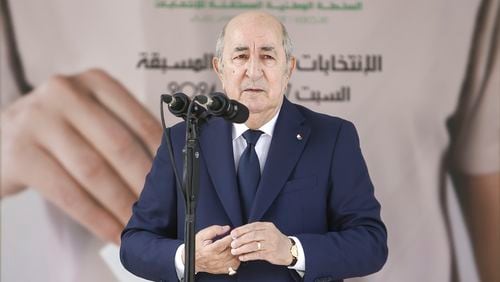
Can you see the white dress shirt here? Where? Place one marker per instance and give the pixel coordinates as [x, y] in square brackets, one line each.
[262, 149]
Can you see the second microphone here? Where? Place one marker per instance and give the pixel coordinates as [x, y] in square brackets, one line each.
[220, 105]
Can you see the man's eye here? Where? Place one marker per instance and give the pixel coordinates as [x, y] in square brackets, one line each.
[240, 57]
[268, 57]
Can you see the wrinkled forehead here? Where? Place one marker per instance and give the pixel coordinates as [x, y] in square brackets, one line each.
[253, 31]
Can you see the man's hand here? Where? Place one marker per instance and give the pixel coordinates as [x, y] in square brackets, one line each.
[214, 256]
[85, 144]
[261, 241]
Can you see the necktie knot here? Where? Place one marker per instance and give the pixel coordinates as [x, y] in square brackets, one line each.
[252, 136]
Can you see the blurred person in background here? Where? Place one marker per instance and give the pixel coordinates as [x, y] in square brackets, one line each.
[77, 127]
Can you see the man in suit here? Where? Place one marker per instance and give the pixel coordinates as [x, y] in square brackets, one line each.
[284, 197]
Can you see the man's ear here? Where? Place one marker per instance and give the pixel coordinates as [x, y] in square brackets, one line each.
[291, 66]
[217, 65]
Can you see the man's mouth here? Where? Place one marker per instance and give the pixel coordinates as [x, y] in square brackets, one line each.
[253, 90]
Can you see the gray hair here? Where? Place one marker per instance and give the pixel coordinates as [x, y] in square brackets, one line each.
[287, 43]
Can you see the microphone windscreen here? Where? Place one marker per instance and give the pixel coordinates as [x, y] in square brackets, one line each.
[202, 99]
[241, 113]
[180, 103]
[166, 98]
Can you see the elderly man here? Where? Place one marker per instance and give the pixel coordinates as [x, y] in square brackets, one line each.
[284, 197]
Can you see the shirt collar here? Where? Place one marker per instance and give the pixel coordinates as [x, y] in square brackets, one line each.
[268, 128]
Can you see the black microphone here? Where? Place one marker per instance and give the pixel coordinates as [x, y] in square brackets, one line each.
[177, 104]
[220, 105]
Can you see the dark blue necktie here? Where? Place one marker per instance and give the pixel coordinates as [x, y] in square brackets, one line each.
[249, 172]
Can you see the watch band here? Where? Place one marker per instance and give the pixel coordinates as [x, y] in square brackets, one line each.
[293, 252]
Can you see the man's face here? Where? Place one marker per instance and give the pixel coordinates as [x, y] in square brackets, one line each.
[254, 70]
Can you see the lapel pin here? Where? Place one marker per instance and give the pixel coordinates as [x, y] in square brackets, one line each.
[299, 137]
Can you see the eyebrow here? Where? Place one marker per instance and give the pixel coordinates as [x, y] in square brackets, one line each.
[263, 48]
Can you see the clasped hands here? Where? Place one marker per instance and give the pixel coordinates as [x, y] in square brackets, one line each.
[253, 241]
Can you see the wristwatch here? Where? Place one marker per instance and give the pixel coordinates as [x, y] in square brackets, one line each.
[294, 252]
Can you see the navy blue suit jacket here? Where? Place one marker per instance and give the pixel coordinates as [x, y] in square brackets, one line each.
[317, 189]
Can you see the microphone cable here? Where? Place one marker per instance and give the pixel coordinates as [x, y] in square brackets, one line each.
[170, 150]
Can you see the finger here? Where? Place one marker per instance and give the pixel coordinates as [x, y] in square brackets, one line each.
[211, 232]
[54, 183]
[252, 256]
[249, 237]
[247, 248]
[121, 102]
[12, 145]
[254, 226]
[105, 132]
[220, 245]
[89, 169]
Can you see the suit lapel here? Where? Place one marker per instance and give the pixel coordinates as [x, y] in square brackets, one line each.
[284, 152]
[217, 150]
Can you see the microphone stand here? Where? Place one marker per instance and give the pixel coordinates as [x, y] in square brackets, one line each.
[191, 187]
[194, 117]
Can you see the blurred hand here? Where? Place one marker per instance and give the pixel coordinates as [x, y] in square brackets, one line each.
[274, 246]
[214, 256]
[85, 144]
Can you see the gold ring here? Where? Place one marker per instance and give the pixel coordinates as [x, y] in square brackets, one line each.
[259, 246]
[231, 271]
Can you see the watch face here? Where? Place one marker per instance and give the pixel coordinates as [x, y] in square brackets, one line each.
[294, 251]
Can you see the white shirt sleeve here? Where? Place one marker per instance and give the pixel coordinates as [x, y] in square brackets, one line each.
[179, 264]
[300, 266]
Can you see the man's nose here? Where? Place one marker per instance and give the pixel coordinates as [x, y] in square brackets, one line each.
[254, 68]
